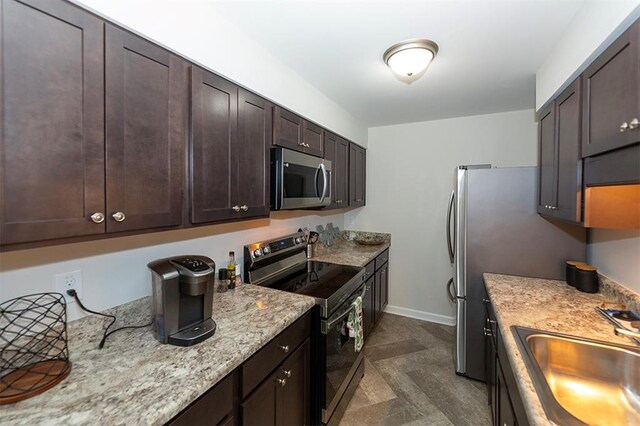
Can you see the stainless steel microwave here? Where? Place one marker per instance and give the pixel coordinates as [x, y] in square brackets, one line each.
[299, 181]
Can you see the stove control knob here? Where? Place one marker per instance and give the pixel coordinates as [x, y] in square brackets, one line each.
[257, 252]
[298, 240]
[266, 250]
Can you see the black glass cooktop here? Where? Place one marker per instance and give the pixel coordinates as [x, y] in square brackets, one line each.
[329, 283]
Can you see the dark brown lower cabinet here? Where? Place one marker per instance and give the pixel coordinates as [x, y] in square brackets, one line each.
[283, 398]
[215, 407]
[376, 296]
[504, 399]
[273, 387]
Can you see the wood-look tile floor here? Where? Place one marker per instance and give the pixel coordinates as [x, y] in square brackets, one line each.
[409, 379]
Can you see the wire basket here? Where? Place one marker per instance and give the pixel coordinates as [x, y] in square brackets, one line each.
[34, 355]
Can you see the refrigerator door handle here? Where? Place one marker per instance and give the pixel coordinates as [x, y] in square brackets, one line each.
[450, 245]
[452, 297]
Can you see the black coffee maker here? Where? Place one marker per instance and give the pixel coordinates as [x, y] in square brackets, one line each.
[182, 299]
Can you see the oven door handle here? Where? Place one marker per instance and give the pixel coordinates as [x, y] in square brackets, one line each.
[327, 325]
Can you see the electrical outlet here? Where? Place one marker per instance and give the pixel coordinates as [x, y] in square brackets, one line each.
[67, 281]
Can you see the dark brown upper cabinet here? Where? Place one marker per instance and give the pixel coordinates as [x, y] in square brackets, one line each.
[611, 104]
[336, 149]
[52, 143]
[145, 101]
[294, 132]
[213, 153]
[357, 175]
[229, 155]
[559, 131]
[254, 143]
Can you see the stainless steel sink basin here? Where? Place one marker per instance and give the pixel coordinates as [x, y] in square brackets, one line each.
[581, 381]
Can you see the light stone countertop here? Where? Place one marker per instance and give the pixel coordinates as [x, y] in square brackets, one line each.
[137, 380]
[548, 305]
[345, 251]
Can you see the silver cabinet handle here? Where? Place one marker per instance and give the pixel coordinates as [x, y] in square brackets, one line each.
[236, 208]
[284, 348]
[624, 126]
[244, 207]
[634, 123]
[488, 332]
[287, 373]
[97, 217]
[282, 382]
[119, 216]
[300, 143]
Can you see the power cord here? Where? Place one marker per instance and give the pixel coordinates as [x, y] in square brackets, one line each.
[107, 333]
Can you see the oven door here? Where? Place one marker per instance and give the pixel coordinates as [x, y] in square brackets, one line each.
[299, 180]
[341, 358]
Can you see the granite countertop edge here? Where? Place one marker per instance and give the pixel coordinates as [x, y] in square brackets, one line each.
[345, 251]
[537, 303]
[163, 379]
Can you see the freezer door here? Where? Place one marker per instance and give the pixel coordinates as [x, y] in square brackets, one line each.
[459, 353]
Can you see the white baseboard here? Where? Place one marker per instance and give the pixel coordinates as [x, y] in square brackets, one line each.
[421, 315]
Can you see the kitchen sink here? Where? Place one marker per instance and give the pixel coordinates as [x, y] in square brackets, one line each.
[581, 381]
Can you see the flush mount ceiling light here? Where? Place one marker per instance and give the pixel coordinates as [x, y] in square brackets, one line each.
[409, 59]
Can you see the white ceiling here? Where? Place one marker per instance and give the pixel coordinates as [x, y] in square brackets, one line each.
[489, 51]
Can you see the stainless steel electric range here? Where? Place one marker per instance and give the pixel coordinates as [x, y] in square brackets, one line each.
[282, 264]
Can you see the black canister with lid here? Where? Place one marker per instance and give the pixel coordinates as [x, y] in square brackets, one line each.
[570, 269]
[587, 278]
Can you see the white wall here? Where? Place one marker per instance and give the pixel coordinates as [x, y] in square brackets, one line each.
[597, 24]
[594, 27]
[194, 29]
[616, 253]
[114, 271]
[409, 179]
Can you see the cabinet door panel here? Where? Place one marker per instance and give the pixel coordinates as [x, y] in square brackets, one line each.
[357, 175]
[547, 147]
[52, 144]
[294, 398]
[287, 129]
[312, 136]
[612, 95]
[377, 302]
[384, 287]
[260, 407]
[341, 173]
[254, 142]
[569, 185]
[145, 93]
[214, 171]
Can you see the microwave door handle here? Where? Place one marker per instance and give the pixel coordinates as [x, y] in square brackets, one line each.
[315, 181]
[449, 210]
[325, 182]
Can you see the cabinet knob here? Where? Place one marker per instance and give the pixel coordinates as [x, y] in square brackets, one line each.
[118, 216]
[244, 207]
[487, 332]
[282, 382]
[284, 348]
[97, 217]
[287, 373]
[634, 123]
[236, 208]
[624, 126]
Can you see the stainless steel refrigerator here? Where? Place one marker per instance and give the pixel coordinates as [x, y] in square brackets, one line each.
[493, 226]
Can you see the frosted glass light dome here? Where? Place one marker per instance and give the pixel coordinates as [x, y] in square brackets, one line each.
[410, 57]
